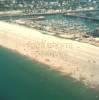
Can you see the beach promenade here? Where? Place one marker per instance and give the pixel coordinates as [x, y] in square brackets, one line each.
[78, 60]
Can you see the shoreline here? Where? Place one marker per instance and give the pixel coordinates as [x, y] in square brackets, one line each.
[78, 60]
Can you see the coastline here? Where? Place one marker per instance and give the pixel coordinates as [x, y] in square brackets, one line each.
[78, 60]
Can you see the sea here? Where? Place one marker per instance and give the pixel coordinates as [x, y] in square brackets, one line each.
[24, 79]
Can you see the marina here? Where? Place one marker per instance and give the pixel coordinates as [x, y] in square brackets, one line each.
[49, 50]
[64, 26]
[75, 24]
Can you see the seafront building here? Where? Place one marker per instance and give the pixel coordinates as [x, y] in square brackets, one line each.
[54, 4]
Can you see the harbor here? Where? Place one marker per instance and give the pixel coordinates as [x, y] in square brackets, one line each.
[71, 24]
[49, 50]
[64, 26]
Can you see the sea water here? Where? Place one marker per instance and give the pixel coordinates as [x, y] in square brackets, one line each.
[24, 79]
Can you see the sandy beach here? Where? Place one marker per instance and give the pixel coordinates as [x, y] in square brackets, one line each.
[79, 60]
